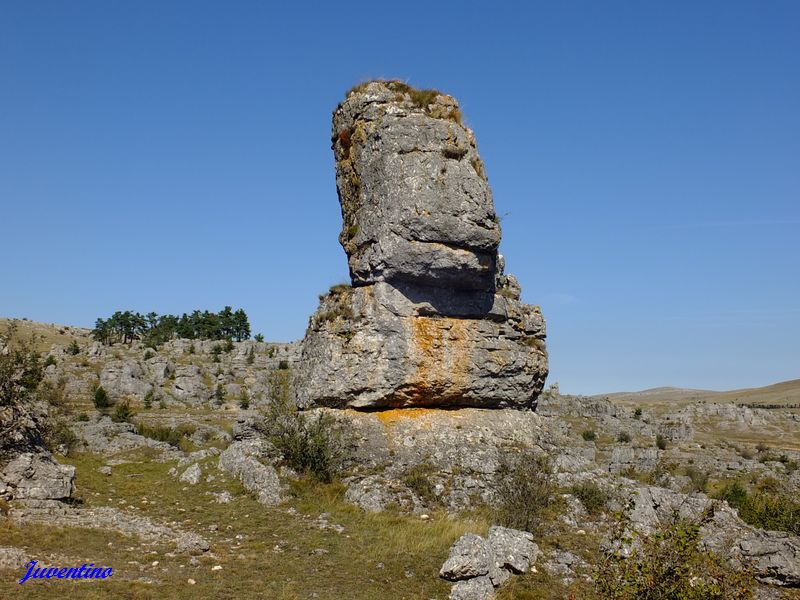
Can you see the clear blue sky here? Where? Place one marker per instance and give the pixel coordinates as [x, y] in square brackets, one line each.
[645, 156]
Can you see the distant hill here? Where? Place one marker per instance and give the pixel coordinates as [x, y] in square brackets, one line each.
[46, 334]
[785, 392]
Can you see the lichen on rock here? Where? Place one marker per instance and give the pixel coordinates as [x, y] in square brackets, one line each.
[431, 320]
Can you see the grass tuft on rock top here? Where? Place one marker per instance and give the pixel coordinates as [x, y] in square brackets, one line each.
[420, 98]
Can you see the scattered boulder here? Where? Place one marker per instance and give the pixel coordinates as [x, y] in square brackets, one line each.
[477, 588]
[12, 558]
[240, 459]
[513, 550]
[192, 475]
[469, 558]
[37, 476]
[479, 565]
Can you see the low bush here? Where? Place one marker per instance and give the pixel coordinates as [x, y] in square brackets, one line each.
[219, 395]
[101, 400]
[161, 433]
[669, 564]
[310, 444]
[770, 510]
[624, 437]
[661, 442]
[592, 496]
[525, 489]
[589, 435]
[697, 478]
[59, 437]
[54, 392]
[418, 480]
[123, 413]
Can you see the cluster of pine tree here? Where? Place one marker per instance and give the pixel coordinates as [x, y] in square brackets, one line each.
[154, 329]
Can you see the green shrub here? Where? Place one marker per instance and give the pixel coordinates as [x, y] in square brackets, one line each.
[101, 400]
[161, 433]
[624, 437]
[733, 493]
[20, 369]
[774, 512]
[525, 489]
[637, 413]
[123, 413]
[148, 399]
[661, 442]
[259, 337]
[592, 496]
[192, 349]
[418, 480]
[311, 444]
[59, 437]
[83, 417]
[589, 435]
[244, 400]
[698, 479]
[50, 360]
[667, 565]
[770, 510]
[219, 395]
[228, 347]
[73, 348]
[54, 392]
[251, 355]
[148, 354]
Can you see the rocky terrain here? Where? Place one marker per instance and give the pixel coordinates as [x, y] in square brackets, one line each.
[405, 448]
[164, 513]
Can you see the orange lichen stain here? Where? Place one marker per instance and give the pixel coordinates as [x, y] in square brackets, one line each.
[393, 415]
[440, 349]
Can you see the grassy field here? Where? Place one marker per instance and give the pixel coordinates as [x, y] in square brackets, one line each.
[47, 334]
[274, 553]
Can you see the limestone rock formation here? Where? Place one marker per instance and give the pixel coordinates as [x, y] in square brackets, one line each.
[36, 476]
[430, 319]
[478, 565]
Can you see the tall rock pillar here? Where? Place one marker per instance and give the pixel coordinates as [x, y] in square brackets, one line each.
[430, 319]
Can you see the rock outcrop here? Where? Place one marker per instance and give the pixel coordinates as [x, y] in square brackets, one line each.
[479, 565]
[773, 556]
[241, 460]
[36, 476]
[430, 318]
